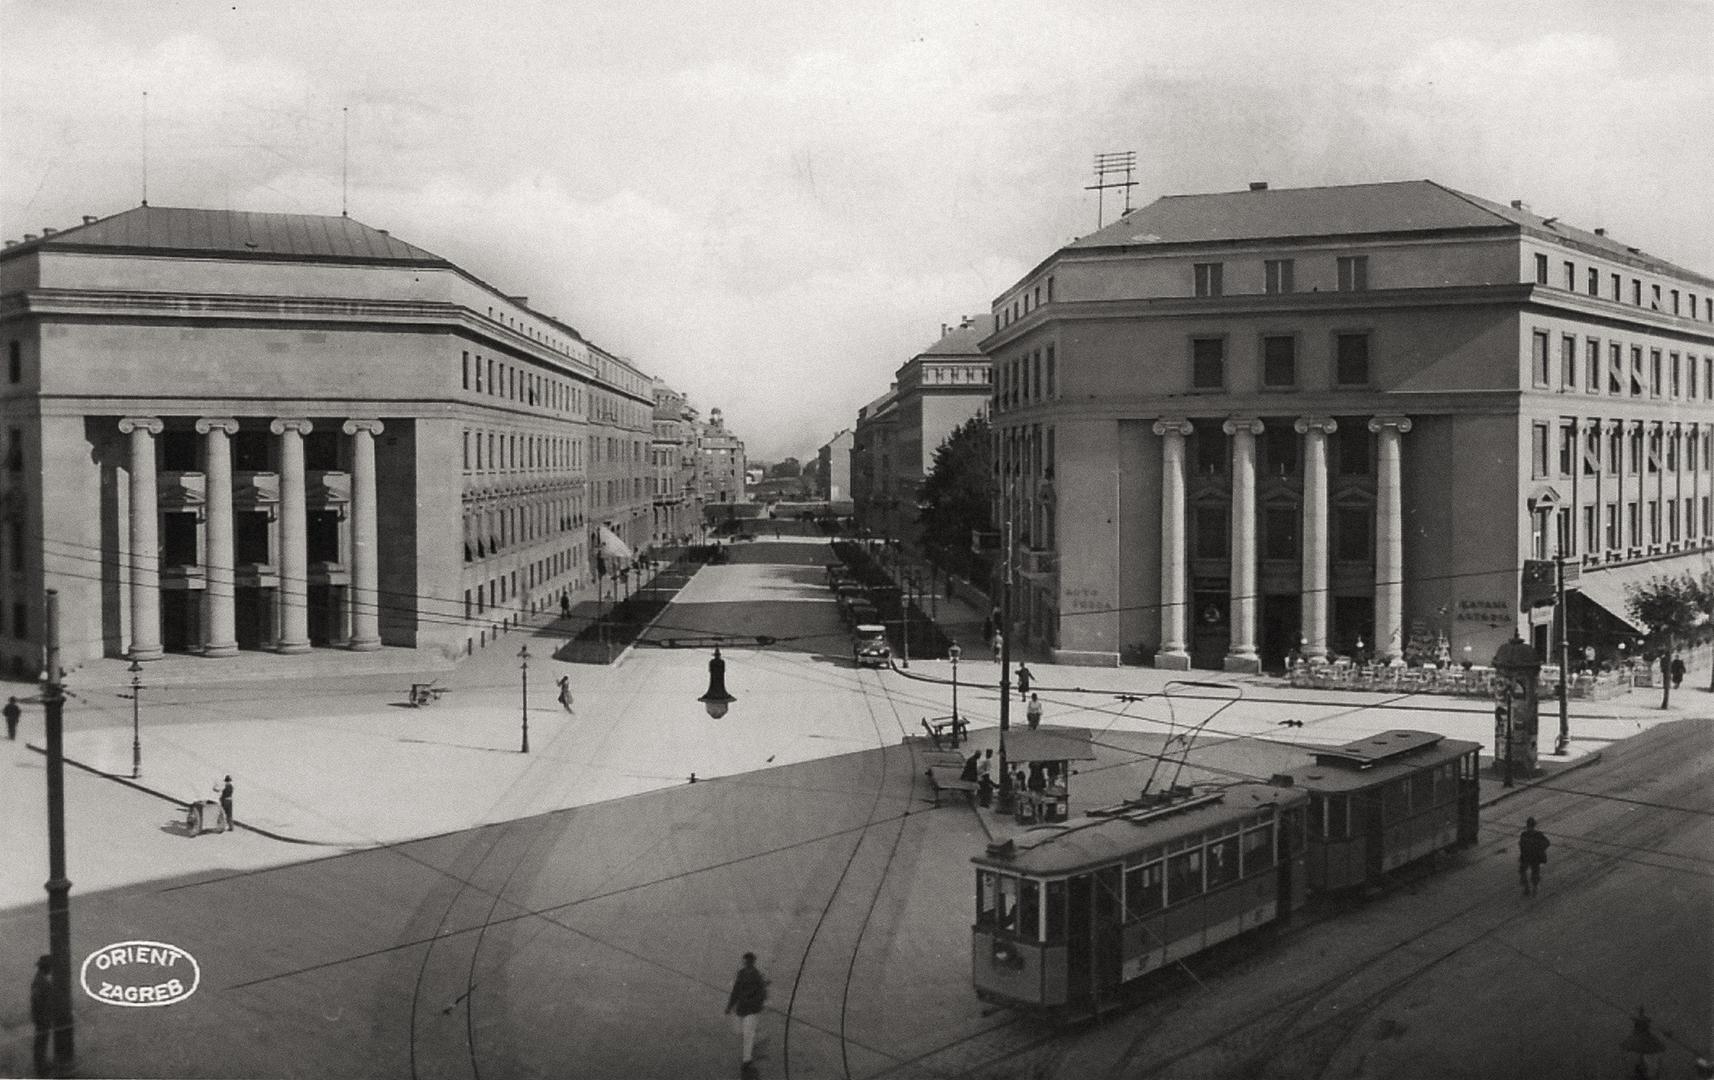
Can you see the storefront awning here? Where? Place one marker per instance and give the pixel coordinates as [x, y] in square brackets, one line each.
[1610, 587]
[613, 547]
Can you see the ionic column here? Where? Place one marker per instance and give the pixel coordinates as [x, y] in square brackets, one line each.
[1389, 541]
[1313, 601]
[294, 550]
[221, 638]
[1174, 652]
[365, 573]
[145, 539]
[1241, 654]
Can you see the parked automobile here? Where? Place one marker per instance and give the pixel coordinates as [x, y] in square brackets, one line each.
[869, 645]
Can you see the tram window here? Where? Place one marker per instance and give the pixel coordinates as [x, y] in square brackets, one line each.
[1339, 817]
[1007, 904]
[1318, 815]
[1393, 802]
[1184, 875]
[1029, 910]
[1259, 849]
[1055, 911]
[1143, 890]
[987, 891]
[1222, 861]
[1422, 790]
[1445, 782]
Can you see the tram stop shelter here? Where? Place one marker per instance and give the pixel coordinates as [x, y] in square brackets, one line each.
[1054, 749]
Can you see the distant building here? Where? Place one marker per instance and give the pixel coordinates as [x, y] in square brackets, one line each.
[833, 468]
[896, 436]
[721, 464]
[1229, 425]
[673, 467]
[232, 431]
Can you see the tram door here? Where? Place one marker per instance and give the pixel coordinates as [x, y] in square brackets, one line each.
[1108, 962]
[1078, 938]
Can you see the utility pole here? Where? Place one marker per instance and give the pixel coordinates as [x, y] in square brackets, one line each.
[1004, 804]
[58, 886]
[524, 670]
[1562, 744]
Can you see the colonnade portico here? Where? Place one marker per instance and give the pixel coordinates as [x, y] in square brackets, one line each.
[1242, 654]
[219, 566]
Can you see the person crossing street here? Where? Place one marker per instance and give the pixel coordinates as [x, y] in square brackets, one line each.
[1532, 853]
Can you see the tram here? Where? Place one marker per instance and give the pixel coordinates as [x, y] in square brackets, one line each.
[1067, 915]
[1382, 802]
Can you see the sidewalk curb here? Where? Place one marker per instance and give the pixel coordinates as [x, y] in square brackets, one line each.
[1506, 793]
[180, 803]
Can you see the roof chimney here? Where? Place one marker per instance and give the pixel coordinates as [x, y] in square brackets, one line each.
[1519, 204]
[48, 230]
[1258, 185]
[1600, 230]
[90, 219]
[11, 243]
[29, 236]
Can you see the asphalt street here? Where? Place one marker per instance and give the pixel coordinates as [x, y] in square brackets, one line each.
[425, 900]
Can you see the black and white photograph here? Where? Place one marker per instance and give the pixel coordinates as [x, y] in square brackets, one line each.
[902, 540]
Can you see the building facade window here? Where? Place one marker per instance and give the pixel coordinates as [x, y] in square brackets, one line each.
[1351, 359]
[1568, 362]
[1616, 369]
[1351, 534]
[15, 360]
[1353, 273]
[1540, 366]
[1279, 361]
[1570, 276]
[1540, 269]
[1207, 363]
[1592, 364]
[1538, 451]
[1594, 282]
[1278, 275]
[1567, 446]
[1280, 540]
[1211, 537]
[1353, 448]
[1209, 279]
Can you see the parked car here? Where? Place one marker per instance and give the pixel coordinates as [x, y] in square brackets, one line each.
[860, 612]
[869, 645]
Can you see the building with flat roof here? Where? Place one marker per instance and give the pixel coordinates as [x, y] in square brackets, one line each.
[1341, 419]
[833, 469]
[230, 431]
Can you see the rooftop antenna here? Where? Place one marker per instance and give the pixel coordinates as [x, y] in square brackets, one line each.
[1107, 165]
[344, 160]
[145, 148]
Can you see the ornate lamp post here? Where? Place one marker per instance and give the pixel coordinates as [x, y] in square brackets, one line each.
[136, 670]
[524, 671]
[953, 652]
[1644, 1044]
[716, 700]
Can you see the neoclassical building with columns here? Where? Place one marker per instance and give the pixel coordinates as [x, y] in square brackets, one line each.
[230, 431]
[1340, 420]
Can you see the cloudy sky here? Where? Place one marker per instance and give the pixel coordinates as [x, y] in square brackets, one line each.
[772, 204]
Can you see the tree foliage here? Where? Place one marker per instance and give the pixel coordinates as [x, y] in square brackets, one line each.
[955, 498]
[1676, 612]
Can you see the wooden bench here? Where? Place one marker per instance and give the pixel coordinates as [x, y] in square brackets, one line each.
[423, 693]
[946, 732]
[944, 778]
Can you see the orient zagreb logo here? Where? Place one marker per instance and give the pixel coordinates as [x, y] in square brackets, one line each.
[140, 974]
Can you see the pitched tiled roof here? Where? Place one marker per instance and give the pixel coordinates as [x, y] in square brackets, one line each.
[235, 232]
[1403, 206]
[963, 340]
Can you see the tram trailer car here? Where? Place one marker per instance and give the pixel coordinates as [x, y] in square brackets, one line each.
[1065, 916]
[1385, 801]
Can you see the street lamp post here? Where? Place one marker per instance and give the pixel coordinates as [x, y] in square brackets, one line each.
[1004, 803]
[524, 670]
[58, 885]
[905, 613]
[953, 652]
[136, 670]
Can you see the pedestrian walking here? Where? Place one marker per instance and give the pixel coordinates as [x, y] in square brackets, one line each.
[42, 1012]
[1032, 712]
[565, 603]
[1532, 852]
[986, 768]
[987, 628]
[749, 995]
[1677, 671]
[564, 685]
[972, 766]
[225, 789]
[999, 645]
[1024, 677]
[12, 713]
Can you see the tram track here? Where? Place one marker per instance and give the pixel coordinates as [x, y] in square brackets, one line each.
[862, 835]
